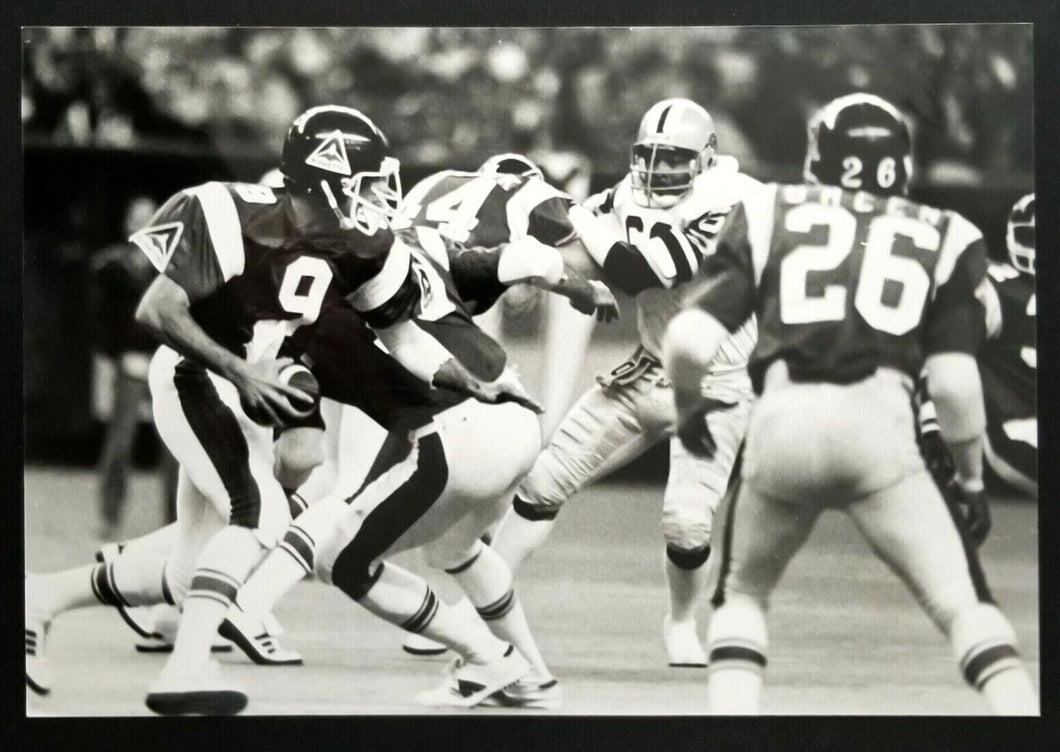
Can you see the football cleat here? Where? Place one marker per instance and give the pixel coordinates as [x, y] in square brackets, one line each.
[416, 644]
[164, 620]
[137, 617]
[38, 668]
[255, 640]
[528, 695]
[683, 647]
[468, 684]
[173, 693]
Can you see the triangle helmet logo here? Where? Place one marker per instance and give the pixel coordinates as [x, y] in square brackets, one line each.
[331, 154]
[158, 242]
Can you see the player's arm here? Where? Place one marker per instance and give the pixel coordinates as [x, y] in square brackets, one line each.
[387, 302]
[207, 253]
[623, 265]
[720, 301]
[955, 327]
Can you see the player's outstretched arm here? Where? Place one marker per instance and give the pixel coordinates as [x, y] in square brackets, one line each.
[691, 340]
[957, 392]
[165, 309]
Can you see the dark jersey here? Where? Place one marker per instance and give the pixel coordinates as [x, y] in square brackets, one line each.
[1008, 360]
[486, 211]
[353, 367]
[844, 282]
[255, 277]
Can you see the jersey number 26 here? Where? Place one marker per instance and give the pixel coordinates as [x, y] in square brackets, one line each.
[878, 267]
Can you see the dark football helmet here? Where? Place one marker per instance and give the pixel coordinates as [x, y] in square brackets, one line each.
[511, 164]
[860, 142]
[337, 155]
[1019, 236]
[675, 143]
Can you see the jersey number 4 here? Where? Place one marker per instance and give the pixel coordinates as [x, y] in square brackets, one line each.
[455, 213]
[878, 268]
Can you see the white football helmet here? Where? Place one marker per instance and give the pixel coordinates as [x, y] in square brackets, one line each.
[1020, 234]
[676, 141]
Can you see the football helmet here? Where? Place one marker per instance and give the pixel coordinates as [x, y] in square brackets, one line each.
[860, 142]
[511, 164]
[337, 155]
[1020, 234]
[675, 142]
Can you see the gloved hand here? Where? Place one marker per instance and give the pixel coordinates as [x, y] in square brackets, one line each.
[594, 297]
[937, 456]
[692, 428]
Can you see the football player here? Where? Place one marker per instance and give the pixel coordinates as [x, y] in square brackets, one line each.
[855, 289]
[649, 234]
[245, 270]
[428, 491]
[1008, 361]
[505, 200]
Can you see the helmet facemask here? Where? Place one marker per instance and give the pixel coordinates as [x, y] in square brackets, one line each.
[1020, 235]
[373, 196]
[662, 175]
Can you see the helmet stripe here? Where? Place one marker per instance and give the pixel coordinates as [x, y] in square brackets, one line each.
[662, 118]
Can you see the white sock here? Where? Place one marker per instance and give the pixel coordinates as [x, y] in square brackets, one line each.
[1011, 692]
[273, 579]
[736, 643]
[219, 572]
[518, 538]
[129, 580]
[406, 600]
[984, 644]
[685, 585]
[488, 583]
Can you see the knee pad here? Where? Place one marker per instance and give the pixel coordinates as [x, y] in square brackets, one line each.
[688, 558]
[737, 632]
[543, 490]
[533, 512]
[983, 642]
[686, 532]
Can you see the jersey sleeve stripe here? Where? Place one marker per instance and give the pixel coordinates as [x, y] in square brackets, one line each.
[222, 226]
[960, 234]
[387, 281]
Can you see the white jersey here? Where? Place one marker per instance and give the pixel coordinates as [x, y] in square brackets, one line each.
[674, 241]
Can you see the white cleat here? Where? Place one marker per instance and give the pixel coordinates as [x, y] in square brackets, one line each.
[138, 618]
[38, 667]
[173, 693]
[163, 621]
[468, 684]
[255, 639]
[527, 695]
[683, 647]
[417, 644]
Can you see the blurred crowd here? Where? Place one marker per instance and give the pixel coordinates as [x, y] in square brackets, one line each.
[449, 96]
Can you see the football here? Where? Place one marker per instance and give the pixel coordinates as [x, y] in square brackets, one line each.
[299, 377]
